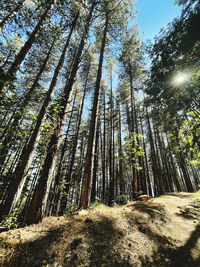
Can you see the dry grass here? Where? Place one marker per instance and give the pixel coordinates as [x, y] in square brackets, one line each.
[164, 231]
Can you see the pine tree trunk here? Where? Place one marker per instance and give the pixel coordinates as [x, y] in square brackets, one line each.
[95, 165]
[103, 148]
[20, 112]
[74, 147]
[183, 166]
[55, 185]
[120, 174]
[158, 190]
[165, 163]
[162, 178]
[21, 172]
[176, 177]
[146, 165]
[41, 193]
[134, 168]
[88, 160]
[111, 148]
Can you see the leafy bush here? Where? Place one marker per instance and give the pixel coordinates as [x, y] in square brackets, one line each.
[10, 222]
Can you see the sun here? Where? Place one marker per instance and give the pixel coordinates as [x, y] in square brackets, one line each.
[180, 78]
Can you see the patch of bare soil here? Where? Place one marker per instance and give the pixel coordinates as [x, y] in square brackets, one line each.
[163, 231]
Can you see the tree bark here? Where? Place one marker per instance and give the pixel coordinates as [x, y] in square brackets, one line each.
[21, 172]
[88, 160]
[41, 193]
[95, 165]
[20, 112]
[74, 147]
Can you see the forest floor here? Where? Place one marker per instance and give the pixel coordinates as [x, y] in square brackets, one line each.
[163, 231]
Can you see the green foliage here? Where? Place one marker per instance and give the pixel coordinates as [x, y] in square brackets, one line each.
[132, 148]
[176, 104]
[10, 222]
[176, 50]
[190, 136]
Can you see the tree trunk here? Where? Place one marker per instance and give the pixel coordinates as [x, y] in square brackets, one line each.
[21, 172]
[146, 166]
[88, 160]
[41, 193]
[20, 112]
[176, 177]
[103, 147]
[111, 148]
[120, 173]
[56, 184]
[134, 168]
[74, 147]
[95, 165]
[158, 190]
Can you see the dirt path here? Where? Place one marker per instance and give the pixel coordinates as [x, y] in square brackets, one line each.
[164, 231]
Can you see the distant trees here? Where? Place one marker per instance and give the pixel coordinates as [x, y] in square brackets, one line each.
[173, 89]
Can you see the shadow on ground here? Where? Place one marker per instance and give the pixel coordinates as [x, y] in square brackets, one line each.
[168, 255]
[155, 211]
[91, 244]
[95, 242]
[103, 236]
[192, 212]
[36, 253]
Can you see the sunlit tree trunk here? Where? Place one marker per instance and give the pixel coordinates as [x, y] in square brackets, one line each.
[95, 165]
[88, 160]
[21, 172]
[103, 147]
[20, 112]
[39, 201]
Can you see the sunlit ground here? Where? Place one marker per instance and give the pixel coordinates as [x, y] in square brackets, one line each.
[180, 78]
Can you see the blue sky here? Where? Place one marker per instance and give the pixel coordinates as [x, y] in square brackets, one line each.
[155, 14]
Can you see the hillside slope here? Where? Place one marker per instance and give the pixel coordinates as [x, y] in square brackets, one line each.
[164, 231]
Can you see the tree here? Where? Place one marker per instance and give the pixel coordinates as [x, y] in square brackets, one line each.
[111, 10]
[87, 169]
[41, 192]
[24, 50]
[172, 90]
[130, 59]
[20, 174]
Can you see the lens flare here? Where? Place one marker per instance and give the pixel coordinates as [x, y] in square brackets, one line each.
[180, 78]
